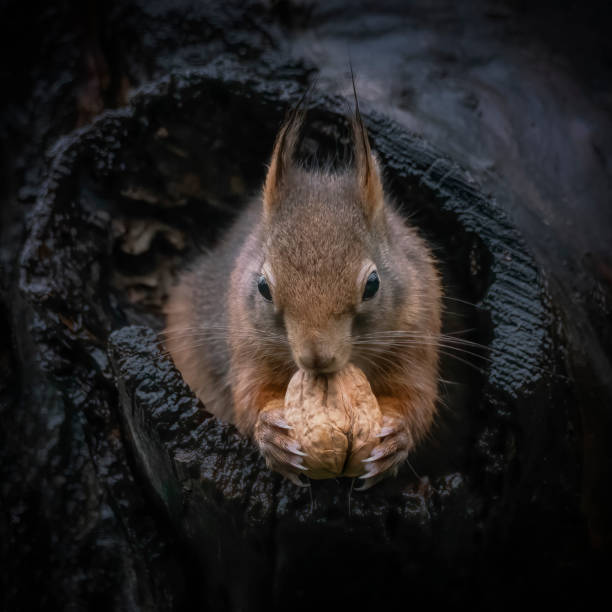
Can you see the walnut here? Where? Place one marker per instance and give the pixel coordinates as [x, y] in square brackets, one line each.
[335, 419]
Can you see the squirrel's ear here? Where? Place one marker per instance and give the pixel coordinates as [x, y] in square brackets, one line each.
[282, 160]
[366, 165]
[368, 173]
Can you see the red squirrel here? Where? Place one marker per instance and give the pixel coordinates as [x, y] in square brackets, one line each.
[319, 271]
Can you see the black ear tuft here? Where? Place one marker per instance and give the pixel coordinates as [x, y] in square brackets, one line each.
[366, 166]
[362, 144]
[283, 151]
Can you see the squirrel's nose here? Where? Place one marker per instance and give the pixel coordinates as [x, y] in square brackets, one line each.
[313, 359]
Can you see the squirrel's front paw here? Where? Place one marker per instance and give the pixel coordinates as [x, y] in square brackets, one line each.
[282, 454]
[385, 458]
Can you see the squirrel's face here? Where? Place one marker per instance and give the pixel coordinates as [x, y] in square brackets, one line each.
[318, 271]
[322, 234]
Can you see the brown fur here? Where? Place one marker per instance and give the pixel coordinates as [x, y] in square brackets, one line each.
[315, 235]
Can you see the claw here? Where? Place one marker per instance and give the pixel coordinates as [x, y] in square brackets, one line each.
[275, 420]
[282, 424]
[380, 452]
[295, 479]
[385, 431]
[369, 474]
[295, 449]
[298, 465]
[366, 485]
[376, 454]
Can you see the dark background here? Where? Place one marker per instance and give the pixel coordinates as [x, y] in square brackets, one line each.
[519, 93]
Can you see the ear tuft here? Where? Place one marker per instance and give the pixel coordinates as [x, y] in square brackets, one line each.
[282, 159]
[366, 165]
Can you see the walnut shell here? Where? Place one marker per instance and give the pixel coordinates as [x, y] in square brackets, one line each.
[334, 419]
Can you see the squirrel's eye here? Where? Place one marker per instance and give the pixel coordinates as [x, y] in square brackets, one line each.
[264, 288]
[371, 286]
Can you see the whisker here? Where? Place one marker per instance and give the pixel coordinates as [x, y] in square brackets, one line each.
[460, 301]
[419, 343]
[465, 361]
[415, 335]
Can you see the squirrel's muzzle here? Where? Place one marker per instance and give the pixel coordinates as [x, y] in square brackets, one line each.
[317, 359]
[320, 348]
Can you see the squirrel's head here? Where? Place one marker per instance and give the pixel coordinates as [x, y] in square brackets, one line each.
[324, 239]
